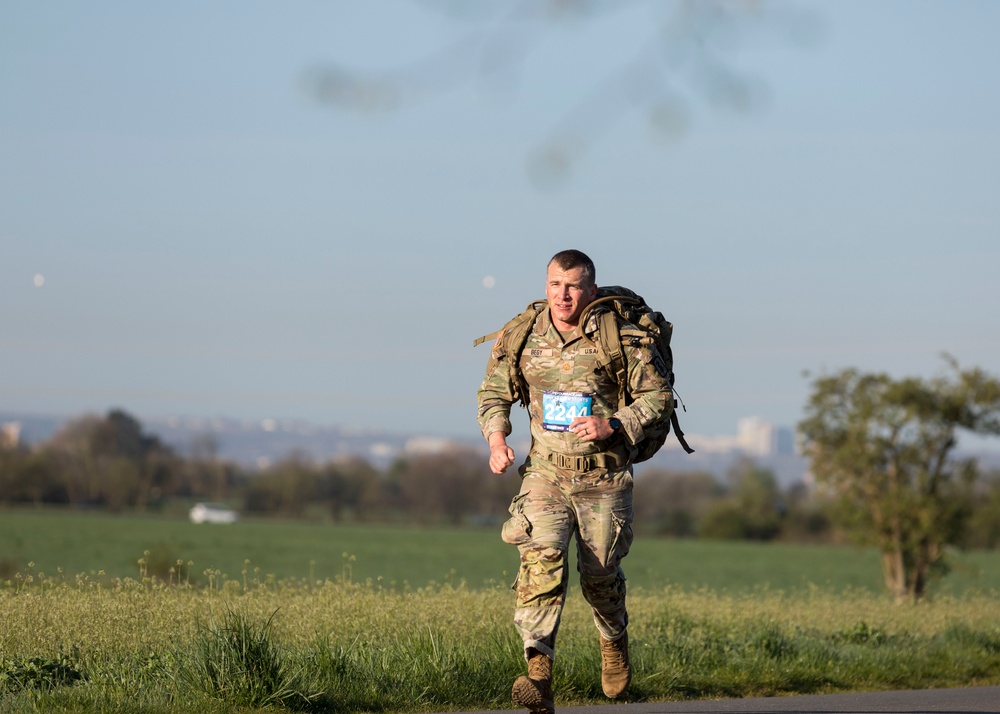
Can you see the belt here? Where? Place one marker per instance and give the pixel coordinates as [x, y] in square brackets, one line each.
[610, 460]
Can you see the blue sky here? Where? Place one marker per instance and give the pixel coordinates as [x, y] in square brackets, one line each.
[186, 229]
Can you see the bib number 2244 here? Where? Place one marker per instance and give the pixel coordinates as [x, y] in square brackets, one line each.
[559, 409]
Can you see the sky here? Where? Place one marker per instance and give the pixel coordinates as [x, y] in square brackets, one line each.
[310, 210]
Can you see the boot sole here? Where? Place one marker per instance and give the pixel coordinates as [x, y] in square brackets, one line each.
[526, 694]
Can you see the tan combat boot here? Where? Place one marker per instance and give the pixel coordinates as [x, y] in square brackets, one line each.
[534, 692]
[616, 672]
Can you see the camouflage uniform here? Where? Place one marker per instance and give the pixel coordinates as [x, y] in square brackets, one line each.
[572, 486]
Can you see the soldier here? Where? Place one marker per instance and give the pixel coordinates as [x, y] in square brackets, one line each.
[577, 478]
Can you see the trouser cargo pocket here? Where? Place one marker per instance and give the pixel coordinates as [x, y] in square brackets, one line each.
[517, 529]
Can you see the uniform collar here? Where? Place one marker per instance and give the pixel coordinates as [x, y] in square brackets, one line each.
[544, 322]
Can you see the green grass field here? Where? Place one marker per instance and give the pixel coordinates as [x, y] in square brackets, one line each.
[405, 556]
[419, 620]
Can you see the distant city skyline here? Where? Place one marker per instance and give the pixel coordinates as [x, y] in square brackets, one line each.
[753, 434]
[258, 444]
[261, 443]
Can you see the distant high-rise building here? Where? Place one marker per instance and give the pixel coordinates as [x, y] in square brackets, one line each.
[10, 433]
[784, 440]
[755, 436]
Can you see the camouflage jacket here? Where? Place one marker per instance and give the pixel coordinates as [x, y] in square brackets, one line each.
[551, 365]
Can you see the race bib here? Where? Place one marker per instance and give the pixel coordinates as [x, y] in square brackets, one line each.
[559, 409]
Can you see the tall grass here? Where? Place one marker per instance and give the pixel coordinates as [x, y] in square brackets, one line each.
[338, 646]
[239, 661]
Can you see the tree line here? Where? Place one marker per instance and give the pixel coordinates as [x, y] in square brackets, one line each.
[882, 453]
[110, 462]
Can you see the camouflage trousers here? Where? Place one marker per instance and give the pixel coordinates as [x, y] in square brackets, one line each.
[549, 510]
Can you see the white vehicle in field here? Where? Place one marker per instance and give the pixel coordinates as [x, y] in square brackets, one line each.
[213, 513]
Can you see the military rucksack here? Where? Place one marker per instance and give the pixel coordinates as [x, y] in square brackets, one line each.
[646, 328]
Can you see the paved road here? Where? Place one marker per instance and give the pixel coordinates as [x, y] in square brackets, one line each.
[977, 700]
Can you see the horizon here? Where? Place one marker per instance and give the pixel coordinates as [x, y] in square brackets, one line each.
[716, 442]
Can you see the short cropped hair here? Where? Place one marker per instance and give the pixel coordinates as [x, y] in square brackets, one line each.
[569, 259]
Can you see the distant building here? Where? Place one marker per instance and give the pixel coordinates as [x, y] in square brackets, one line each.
[10, 433]
[784, 440]
[755, 436]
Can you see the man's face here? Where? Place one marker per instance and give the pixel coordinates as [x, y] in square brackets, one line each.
[568, 292]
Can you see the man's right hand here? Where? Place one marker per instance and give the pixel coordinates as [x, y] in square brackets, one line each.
[501, 455]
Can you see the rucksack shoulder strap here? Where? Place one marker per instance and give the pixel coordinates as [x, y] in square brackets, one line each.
[610, 340]
[609, 337]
